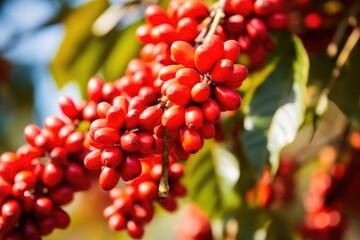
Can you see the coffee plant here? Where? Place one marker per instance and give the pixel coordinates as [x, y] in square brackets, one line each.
[240, 117]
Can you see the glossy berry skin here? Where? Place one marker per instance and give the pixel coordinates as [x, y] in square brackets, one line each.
[174, 117]
[183, 53]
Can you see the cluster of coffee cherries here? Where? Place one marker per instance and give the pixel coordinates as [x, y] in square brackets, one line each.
[137, 128]
[277, 191]
[40, 178]
[246, 21]
[133, 205]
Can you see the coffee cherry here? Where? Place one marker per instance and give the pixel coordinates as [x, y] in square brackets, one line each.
[109, 177]
[173, 117]
[192, 9]
[134, 229]
[215, 45]
[169, 72]
[129, 142]
[115, 117]
[231, 50]
[200, 92]
[187, 77]
[94, 88]
[178, 94]
[43, 206]
[26, 178]
[207, 131]
[132, 119]
[187, 29]
[52, 175]
[150, 118]
[203, 58]
[256, 29]
[74, 142]
[92, 160]
[117, 221]
[183, 53]
[222, 70]
[130, 168]
[238, 76]
[31, 132]
[62, 219]
[194, 117]
[111, 157]
[226, 98]
[147, 190]
[68, 107]
[146, 142]
[155, 15]
[235, 24]
[211, 111]
[243, 7]
[107, 136]
[191, 140]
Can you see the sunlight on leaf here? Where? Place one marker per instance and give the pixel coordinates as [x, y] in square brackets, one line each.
[276, 104]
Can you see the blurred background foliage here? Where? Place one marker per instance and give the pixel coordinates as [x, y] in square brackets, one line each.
[49, 48]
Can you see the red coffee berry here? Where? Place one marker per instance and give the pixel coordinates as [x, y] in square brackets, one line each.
[200, 92]
[238, 76]
[74, 142]
[117, 221]
[194, 117]
[192, 9]
[207, 131]
[256, 29]
[43, 206]
[53, 174]
[215, 45]
[243, 7]
[11, 211]
[112, 157]
[26, 178]
[235, 24]
[129, 142]
[31, 132]
[115, 117]
[147, 190]
[132, 119]
[130, 168]
[187, 29]
[102, 109]
[169, 72]
[61, 218]
[68, 107]
[146, 142]
[135, 229]
[173, 117]
[231, 50]
[150, 118]
[109, 177]
[187, 77]
[226, 98]
[94, 88]
[107, 136]
[191, 140]
[203, 59]
[211, 111]
[122, 102]
[183, 53]
[222, 70]
[178, 94]
[155, 15]
[93, 160]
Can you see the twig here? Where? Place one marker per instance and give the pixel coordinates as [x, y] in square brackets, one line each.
[163, 190]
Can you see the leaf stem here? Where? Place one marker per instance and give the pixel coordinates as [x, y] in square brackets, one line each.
[163, 190]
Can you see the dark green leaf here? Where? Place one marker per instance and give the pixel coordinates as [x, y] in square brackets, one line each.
[211, 177]
[345, 93]
[274, 103]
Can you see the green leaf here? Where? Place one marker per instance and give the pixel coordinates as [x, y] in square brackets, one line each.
[345, 93]
[212, 174]
[274, 103]
[77, 40]
[125, 48]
